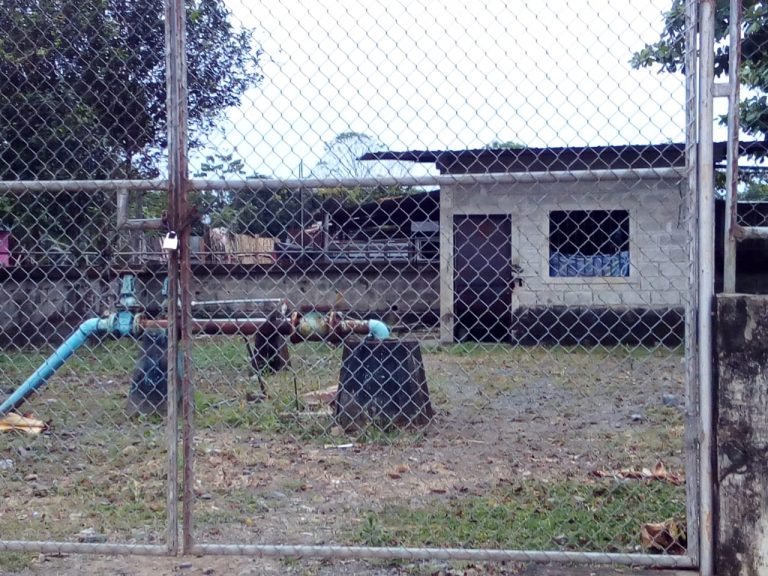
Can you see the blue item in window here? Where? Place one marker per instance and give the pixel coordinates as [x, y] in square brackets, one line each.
[583, 266]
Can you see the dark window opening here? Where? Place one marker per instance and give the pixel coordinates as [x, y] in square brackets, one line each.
[588, 243]
[427, 249]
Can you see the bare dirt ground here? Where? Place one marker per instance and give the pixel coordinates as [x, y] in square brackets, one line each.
[216, 566]
[264, 474]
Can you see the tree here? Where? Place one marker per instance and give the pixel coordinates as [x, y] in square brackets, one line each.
[754, 186]
[82, 93]
[262, 212]
[272, 213]
[669, 53]
[504, 145]
[341, 159]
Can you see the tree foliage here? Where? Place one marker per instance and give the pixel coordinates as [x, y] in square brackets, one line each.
[669, 54]
[276, 212]
[261, 212]
[341, 159]
[82, 94]
[82, 84]
[504, 145]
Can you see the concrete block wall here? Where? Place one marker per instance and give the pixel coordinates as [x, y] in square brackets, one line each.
[658, 240]
[37, 309]
[44, 309]
[393, 290]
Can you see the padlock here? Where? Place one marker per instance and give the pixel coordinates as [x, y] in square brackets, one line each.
[171, 241]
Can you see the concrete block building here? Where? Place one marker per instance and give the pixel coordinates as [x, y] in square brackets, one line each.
[568, 244]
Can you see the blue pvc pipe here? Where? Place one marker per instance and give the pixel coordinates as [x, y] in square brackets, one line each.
[54, 362]
[377, 329]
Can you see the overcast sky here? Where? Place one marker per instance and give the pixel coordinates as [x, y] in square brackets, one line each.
[421, 74]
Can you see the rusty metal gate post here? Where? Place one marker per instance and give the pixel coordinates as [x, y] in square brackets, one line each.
[178, 266]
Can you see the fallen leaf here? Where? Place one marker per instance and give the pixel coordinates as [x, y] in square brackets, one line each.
[16, 422]
[659, 472]
[667, 537]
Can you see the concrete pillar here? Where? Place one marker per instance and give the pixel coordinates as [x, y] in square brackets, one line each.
[741, 436]
[446, 264]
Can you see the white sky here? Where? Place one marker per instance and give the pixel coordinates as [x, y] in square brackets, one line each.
[421, 74]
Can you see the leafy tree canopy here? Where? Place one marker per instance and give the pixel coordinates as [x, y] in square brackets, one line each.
[669, 53]
[82, 96]
[82, 84]
[504, 145]
[260, 213]
[341, 159]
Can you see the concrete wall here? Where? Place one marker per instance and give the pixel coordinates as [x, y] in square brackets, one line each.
[376, 290]
[658, 245]
[741, 435]
[46, 305]
[42, 307]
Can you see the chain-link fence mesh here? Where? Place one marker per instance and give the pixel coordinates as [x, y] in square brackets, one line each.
[751, 212]
[440, 269]
[81, 103]
[454, 240]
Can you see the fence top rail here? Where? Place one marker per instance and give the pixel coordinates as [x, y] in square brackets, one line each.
[22, 186]
[443, 179]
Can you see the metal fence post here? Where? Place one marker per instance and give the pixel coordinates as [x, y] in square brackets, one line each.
[706, 276]
[691, 349]
[732, 171]
[177, 178]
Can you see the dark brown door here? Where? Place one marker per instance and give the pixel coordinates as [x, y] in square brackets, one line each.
[482, 284]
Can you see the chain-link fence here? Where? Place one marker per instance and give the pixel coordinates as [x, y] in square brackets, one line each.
[82, 120]
[435, 307]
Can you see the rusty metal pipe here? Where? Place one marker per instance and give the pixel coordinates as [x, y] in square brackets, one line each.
[331, 329]
[244, 327]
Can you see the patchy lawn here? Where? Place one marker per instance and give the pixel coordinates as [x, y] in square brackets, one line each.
[509, 460]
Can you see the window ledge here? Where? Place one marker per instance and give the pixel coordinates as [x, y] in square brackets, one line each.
[592, 280]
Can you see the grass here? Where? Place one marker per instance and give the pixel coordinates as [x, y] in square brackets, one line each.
[98, 469]
[12, 562]
[604, 516]
[95, 469]
[482, 350]
[224, 380]
[107, 358]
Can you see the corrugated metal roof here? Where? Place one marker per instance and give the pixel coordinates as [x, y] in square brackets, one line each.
[486, 160]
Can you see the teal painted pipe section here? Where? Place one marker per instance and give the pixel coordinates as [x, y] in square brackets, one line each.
[377, 329]
[128, 299]
[117, 323]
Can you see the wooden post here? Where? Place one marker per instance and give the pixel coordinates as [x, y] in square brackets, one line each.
[741, 436]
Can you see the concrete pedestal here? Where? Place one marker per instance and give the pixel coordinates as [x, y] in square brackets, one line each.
[741, 495]
[382, 383]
